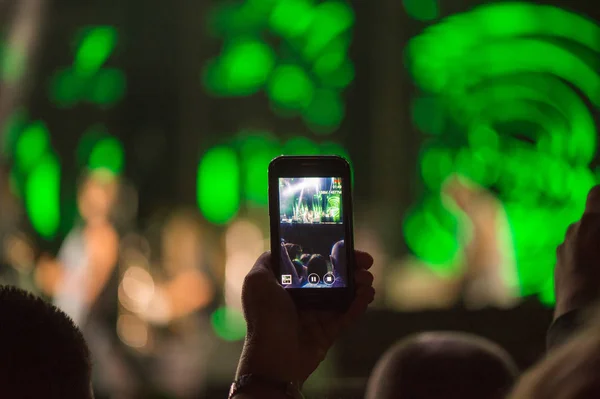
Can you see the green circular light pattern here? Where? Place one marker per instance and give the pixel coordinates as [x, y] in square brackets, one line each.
[218, 185]
[428, 115]
[257, 150]
[422, 10]
[107, 154]
[228, 324]
[31, 146]
[292, 18]
[312, 56]
[290, 87]
[109, 87]
[95, 48]
[42, 196]
[331, 19]
[497, 76]
[242, 69]
[325, 111]
[86, 79]
[66, 88]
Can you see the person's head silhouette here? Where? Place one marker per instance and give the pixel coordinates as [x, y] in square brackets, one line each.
[338, 259]
[444, 365]
[43, 354]
[316, 265]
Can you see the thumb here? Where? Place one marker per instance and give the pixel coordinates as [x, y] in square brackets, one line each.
[592, 204]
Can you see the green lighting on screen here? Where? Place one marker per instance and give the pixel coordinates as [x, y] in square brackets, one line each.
[42, 196]
[87, 79]
[218, 185]
[307, 73]
[500, 105]
[228, 324]
[422, 10]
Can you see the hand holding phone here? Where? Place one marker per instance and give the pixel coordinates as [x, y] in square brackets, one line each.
[310, 205]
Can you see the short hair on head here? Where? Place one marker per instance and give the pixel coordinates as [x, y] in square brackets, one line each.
[444, 365]
[43, 354]
[318, 265]
[338, 256]
[569, 371]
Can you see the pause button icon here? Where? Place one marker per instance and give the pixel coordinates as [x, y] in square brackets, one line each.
[313, 278]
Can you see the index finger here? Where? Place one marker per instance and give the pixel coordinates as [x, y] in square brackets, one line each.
[363, 260]
[592, 204]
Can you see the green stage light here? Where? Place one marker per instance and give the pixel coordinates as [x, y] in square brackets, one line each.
[218, 185]
[325, 111]
[331, 19]
[93, 51]
[42, 196]
[290, 87]
[228, 324]
[108, 154]
[313, 58]
[32, 144]
[257, 150]
[292, 18]
[242, 69]
[238, 170]
[422, 10]
[87, 79]
[502, 77]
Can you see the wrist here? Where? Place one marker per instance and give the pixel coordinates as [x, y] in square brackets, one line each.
[268, 360]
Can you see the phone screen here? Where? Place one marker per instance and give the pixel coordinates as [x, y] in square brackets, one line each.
[312, 232]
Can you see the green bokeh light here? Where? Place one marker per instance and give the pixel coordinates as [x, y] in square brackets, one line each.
[218, 185]
[290, 87]
[95, 48]
[31, 146]
[228, 324]
[292, 18]
[310, 68]
[108, 154]
[87, 79]
[242, 69]
[496, 77]
[257, 151]
[42, 196]
[326, 110]
[422, 10]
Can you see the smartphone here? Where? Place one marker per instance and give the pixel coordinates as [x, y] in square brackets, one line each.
[312, 240]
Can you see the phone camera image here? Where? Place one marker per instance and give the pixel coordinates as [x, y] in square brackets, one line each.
[312, 232]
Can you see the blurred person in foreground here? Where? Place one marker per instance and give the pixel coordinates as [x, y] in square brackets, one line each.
[43, 354]
[83, 280]
[186, 292]
[284, 346]
[443, 365]
[571, 369]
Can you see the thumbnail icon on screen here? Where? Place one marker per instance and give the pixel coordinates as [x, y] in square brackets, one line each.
[286, 279]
